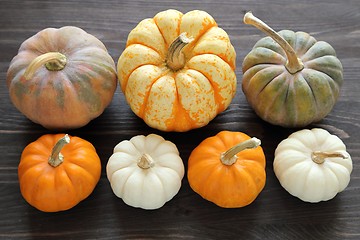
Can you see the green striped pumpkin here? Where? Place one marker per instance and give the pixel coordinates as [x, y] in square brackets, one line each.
[292, 81]
[62, 78]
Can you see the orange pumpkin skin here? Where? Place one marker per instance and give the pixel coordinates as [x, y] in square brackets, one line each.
[70, 96]
[228, 186]
[53, 189]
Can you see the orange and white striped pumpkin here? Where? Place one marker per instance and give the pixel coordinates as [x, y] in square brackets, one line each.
[177, 70]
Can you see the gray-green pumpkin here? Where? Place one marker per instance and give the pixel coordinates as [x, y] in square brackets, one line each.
[289, 78]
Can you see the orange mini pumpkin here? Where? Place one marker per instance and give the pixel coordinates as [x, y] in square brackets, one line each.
[55, 174]
[228, 169]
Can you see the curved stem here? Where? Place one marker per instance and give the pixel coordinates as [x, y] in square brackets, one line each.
[319, 157]
[175, 59]
[145, 161]
[229, 157]
[53, 61]
[293, 64]
[56, 157]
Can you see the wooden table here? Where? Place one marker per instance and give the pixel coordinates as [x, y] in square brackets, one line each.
[275, 214]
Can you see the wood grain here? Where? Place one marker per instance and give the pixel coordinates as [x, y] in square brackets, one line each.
[274, 215]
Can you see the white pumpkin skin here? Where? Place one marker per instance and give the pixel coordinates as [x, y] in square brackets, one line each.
[148, 188]
[301, 176]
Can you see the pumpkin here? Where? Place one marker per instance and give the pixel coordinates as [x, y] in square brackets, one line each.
[289, 78]
[228, 169]
[58, 171]
[62, 78]
[312, 165]
[177, 70]
[145, 171]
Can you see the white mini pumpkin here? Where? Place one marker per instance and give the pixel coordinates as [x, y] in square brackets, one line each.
[313, 165]
[145, 171]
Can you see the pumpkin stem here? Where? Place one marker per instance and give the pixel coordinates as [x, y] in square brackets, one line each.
[56, 157]
[175, 59]
[145, 161]
[293, 64]
[229, 157]
[53, 61]
[319, 157]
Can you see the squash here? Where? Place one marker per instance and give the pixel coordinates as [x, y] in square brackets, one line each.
[145, 171]
[228, 169]
[289, 78]
[177, 71]
[313, 165]
[58, 171]
[62, 78]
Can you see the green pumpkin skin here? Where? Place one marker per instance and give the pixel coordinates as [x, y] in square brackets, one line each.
[292, 100]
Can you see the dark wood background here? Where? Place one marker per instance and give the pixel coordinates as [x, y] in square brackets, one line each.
[274, 215]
